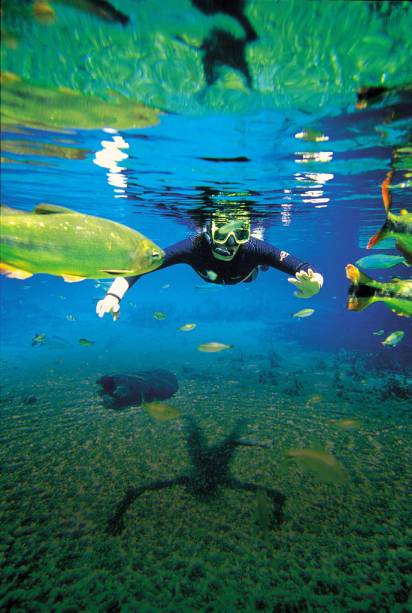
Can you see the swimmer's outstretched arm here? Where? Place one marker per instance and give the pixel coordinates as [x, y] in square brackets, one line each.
[179, 253]
[307, 280]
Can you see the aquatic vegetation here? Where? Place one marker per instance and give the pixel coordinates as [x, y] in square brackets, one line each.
[59, 241]
[69, 463]
[397, 386]
[321, 463]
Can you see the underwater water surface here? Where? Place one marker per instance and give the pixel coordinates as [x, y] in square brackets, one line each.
[277, 476]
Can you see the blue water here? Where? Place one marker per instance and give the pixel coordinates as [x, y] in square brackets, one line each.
[166, 190]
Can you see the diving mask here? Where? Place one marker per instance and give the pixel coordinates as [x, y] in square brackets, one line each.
[239, 229]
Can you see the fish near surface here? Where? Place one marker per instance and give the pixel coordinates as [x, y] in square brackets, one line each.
[398, 227]
[396, 293]
[380, 261]
[321, 463]
[58, 241]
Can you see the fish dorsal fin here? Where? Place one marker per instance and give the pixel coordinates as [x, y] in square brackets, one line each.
[44, 208]
[380, 235]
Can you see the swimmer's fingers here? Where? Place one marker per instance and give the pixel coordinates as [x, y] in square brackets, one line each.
[109, 304]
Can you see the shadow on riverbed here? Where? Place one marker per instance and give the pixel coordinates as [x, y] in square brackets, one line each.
[209, 472]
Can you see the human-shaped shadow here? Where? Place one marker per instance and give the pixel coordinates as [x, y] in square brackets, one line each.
[210, 471]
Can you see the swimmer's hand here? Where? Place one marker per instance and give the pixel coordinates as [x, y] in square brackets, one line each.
[307, 283]
[109, 304]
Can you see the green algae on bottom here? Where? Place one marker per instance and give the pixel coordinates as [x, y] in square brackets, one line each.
[67, 462]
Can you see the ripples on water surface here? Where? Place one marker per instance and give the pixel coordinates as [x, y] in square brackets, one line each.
[155, 114]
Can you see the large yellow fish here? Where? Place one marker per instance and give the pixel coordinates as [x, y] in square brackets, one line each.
[58, 241]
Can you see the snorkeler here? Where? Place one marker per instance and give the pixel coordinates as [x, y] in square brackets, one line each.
[224, 252]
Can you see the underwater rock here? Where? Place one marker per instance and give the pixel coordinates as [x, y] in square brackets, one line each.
[119, 391]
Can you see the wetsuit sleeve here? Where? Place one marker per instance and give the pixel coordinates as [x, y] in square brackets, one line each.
[268, 255]
[179, 253]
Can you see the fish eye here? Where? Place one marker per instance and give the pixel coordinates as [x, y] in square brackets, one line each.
[155, 254]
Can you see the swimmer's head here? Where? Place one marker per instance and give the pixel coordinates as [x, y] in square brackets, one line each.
[226, 231]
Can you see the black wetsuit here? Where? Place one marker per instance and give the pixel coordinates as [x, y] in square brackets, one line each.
[197, 253]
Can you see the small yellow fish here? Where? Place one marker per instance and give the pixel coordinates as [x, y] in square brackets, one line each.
[321, 463]
[346, 424]
[314, 399]
[379, 332]
[159, 315]
[70, 318]
[38, 339]
[187, 327]
[161, 410]
[213, 347]
[394, 338]
[85, 342]
[304, 313]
